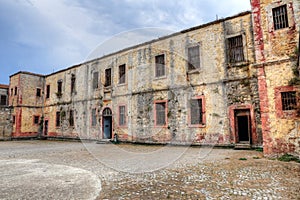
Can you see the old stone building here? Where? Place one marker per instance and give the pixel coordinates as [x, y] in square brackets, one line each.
[5, 114]
[224, 83]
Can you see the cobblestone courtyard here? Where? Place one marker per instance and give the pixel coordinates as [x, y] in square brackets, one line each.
[74, 170]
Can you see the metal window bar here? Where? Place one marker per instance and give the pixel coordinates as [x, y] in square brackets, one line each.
[236, 49]
[122, 72]
[160, 65]
[280, 17]
[160, 113]
[196, 111]
[289, 101]
[193, 58]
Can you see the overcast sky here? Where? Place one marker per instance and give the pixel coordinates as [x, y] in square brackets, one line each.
[43, 36]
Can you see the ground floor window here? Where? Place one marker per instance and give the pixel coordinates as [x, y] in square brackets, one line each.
[160, 113]
[36, 120]
[94, 117]
[286, 101]
[197, 110]
[122, 115]
[57, 119]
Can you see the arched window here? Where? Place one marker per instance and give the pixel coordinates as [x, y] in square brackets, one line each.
[107, 112]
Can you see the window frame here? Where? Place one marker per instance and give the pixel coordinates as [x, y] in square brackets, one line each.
[58, 119]
[125, 115]
[2, 100]
[59, 87]
[166, 113]
[16, 91]
[48, 91]
[38, 92]
[73, 84]
[34, 120]
[285, 114]
[94, 117]
[284, 17]
[203, 124]
[160, 65]
[95, 80]
[71, 118]
[108, 77]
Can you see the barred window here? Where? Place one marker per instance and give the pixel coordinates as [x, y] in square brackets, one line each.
[73, 79]
[236, 49]
[95, 80]
[94, 117]
[280, 17]
[122, 116]
[289, 100]
[196, 111]
[71, 118]
[160, 109]
[108, 77]
[122, 74]
[57, 119]
[193, 58]
[160, 65]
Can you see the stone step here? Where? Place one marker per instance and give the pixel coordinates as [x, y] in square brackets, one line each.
[104, 141]
[242, 146]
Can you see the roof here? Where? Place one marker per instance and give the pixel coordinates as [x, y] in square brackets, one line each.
[2, 86]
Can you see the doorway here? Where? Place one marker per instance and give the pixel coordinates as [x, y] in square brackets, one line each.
[107, 123]
[243, 126]
[46, 128]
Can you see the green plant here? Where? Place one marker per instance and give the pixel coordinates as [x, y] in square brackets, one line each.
[242, 158]
[256, 157]
[288, 158]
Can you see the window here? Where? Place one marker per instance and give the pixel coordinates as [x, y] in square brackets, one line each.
[38, 92]
[94, 117]
[95, 80]
[16, 90]
[57, 119]
[73, 79]
[288, 100]
[193, 58]
[48, 91]
[71, 118]
[3, 101]
[108, 77]
[13, 119]
[280, 17]
[160, 114]
[11, 91]
[122, 74]
[122, 116]
[160, 65]
[196, 114]
[36, 120]
[59, 87]
[236, 49]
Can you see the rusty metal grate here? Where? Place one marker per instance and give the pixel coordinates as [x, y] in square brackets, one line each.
[289, 100]
[236, 49]
[280, 17]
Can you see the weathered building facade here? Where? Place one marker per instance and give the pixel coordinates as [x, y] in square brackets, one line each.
[213, 84]
[5, 114]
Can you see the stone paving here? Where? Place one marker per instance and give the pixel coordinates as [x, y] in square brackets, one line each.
[74, 170]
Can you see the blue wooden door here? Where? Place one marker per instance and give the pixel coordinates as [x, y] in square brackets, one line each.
[107, 127]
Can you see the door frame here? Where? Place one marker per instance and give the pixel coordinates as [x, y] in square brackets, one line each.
[233, 124]
[242, 113]
[104, 116]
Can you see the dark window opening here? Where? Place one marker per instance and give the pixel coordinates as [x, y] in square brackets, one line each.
[48, 91]
[193, 58]
[280, 17]
[289, 100]
[16, 90]
[196, 111]
[11, 91]
[94, 117]
[57, 119]
[122, 115]
[36, 120]
[38, 92]
[71, 118]
[3, 100]
[160, 65]
[73, 80]
[14, 119]
[236, 49]
[59, 87]
[108, 77]
[160, 109]
[95, 80]
[122, 74]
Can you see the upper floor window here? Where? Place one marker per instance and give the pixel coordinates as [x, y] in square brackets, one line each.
[73, 80]
[122, 115]
[38, 92]
[122, 74]
[160, 113]
[48, 91]
[107, 77]
[197, 111]
[280, 17]
[160, 65]
[95, 80]
[59, 87]
[36, 120]
[11, 91]
[16, 90]
[3, 101]
[71, 118]
[193, 58]
[236, 49]
[288, 100]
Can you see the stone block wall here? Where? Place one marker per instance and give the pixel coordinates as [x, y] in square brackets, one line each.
[5, 123]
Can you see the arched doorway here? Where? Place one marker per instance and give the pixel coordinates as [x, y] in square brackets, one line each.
[107, 123]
